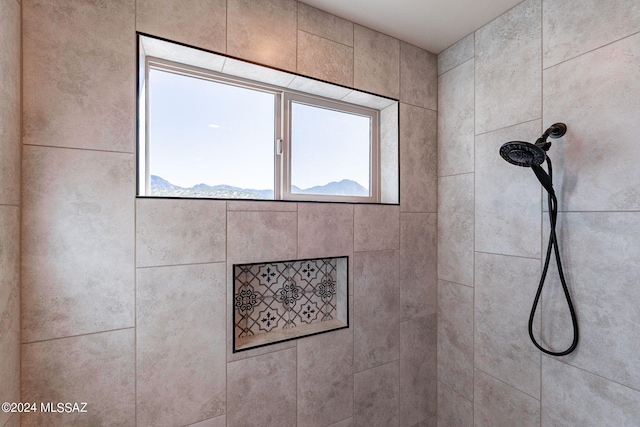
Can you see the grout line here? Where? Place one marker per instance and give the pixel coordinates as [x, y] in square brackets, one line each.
[507, 384]
[507, 127]
[507, 255]
[80, 335]
[80, 148]
[461, 174]
[591, 373]
[589, 51]
[179, 265]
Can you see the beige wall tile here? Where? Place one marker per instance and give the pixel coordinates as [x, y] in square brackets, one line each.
[418, 77]
[14, 420]
[325, 59]
[419, 159]
[325, 378]
[455, 337]
[261, 236]
[598, 96]
[376, 62]
[418, 264]
[376, 227]
[344, 423]
[455, 229]
[456, 54]
[78, 242]
[599, 253]
[98, 369]
[200, 23]
[79, 74]
[220, 421]
[376, 309]
[180, 341]
[10, 108]
[260, 390]
[453, 409]
[456, 120]
[573, 397]
[418, 383]
[263, 31]
[241, 205]
[508, 68]
[503, 297]
[507, 197]
[323, 24]
[591, 24]
[170, 232]
[325, 229]
[497, 404]
[9, 306]
[376, 396]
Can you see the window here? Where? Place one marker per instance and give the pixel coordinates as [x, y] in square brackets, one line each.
[216, 127]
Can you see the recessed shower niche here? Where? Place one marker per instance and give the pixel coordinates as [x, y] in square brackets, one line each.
[282, 300]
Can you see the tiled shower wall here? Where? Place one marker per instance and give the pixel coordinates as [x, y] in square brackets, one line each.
[126, 302]
[542, 62]
[9, 207]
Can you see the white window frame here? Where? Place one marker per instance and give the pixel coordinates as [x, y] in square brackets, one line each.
[284, 96]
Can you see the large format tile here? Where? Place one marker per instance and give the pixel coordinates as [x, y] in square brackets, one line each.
[376, 309]
[591, 24]
[419, 154]
[376, 396]
[79, 74]
[261, 236]
[170, 232]
[77, 242]
[597, 95]
[9, 307]
[200, 23]
[507, 204]
[497, 404]
[324, 230]
[220, 421]
[325, 378]
[455, 229]
[456, 120]
[376, 227]
[600, 255]
[418, 77]
[263, 31]
[376, 62]
[455, 337]
[418, 371]
[180, 341]
[261, 390]
[456, 54]
[504, 290]
[508, 68]
[10, 108]
[98, 369]
[325, 59]
[573, 397]
[418, 264]
[323, 24]
[453, 409]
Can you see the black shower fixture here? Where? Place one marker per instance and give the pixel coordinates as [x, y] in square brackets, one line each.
[525, 154]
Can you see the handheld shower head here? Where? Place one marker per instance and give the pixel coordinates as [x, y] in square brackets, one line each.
[522, 153]
[525, 154]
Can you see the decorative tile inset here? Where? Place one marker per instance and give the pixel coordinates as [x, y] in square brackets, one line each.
[286, 299]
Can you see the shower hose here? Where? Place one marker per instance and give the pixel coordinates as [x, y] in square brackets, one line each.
[547, 183]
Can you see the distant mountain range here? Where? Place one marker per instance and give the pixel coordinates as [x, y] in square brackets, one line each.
[162, 187]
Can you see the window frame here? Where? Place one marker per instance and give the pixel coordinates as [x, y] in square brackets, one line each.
[383, 188]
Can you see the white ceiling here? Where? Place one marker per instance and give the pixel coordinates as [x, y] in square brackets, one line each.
[433, 25]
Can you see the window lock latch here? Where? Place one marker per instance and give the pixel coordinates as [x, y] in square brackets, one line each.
[279, 146]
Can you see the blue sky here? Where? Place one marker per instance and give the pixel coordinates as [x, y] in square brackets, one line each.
[213, 133]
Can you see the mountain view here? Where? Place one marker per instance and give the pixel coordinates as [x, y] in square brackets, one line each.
[162, 187]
